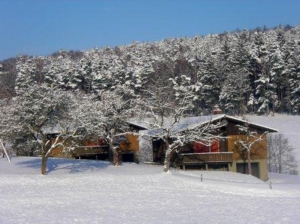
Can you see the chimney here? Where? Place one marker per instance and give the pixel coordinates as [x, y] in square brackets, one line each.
[217, 110]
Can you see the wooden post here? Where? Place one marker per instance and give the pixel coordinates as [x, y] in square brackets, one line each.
[4, 150]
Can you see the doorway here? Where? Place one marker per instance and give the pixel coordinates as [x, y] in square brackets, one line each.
[243, 168]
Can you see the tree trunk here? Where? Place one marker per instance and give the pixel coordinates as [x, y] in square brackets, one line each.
[244, 167]
[167, 155]
[280, 163]
[116, 161]
[249, 162]
[167, 162]
[44, 164]
[113, 149]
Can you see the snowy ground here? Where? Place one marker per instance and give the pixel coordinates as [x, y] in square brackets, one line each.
[80, 191]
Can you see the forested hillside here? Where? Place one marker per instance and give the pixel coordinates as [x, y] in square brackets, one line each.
[250, 71]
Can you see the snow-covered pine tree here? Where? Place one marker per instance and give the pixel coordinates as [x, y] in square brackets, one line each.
[291, 52]
[209, 84]
[279, 82]
[82, 79]
[273, 60]
[5, 84]
[61, 72]
[261, 72]
[236, 86]
[26, 71]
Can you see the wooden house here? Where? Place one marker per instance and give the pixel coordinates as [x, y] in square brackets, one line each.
[128, 146]
[142, 147]
[218, 154]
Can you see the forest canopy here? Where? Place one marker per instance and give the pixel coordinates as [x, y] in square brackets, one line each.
[249, 71]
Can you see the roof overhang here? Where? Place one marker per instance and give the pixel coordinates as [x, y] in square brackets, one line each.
[251, 124]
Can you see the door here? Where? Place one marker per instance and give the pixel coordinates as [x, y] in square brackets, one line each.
[243, 168]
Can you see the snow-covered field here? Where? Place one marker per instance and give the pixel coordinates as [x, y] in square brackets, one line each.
[82, 191]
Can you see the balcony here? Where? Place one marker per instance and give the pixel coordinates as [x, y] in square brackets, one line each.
[89, 150]
[204, 158]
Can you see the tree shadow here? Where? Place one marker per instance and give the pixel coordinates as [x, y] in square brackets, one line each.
[71, 166]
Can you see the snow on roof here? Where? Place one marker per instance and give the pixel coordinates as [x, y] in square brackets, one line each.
[139, 123]
[184, 123]
[251, 123]
[214, 118]
[193, 122]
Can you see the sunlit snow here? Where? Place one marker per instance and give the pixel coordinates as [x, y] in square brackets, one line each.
[83, 191]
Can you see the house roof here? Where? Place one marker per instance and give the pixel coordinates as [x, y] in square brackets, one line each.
[193, 122]
[251, 124]
[183, 124]
[219, 117]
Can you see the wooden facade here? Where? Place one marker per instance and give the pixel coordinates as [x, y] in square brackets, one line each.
[226, 155]
[185, 159]
[128, 148]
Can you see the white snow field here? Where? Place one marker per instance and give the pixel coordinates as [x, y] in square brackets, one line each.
[84, 191]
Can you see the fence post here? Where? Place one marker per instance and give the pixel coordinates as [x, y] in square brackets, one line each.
[4, 149]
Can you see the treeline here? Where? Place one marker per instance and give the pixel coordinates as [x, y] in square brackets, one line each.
[250, 71]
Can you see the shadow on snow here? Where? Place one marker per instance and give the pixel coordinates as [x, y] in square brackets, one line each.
[66, 165]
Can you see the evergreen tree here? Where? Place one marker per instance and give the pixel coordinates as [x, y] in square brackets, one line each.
[233, 96]
[209, 84]
[267, 60]
[26, 71]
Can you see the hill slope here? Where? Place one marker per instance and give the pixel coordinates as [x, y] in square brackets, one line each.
[255, 71]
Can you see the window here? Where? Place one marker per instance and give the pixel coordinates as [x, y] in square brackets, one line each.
[206, 146]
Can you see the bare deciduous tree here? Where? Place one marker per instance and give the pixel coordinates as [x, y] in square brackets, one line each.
[247, 145]
[165, 112]
[32, 113]
[116, 108]
[281, 156]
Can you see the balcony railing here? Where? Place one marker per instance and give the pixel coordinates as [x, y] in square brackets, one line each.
[89, 150]
[203, 158]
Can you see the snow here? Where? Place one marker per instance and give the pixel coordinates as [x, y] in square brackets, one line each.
[83, 191]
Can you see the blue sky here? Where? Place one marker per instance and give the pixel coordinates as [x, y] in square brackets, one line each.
[41, 27]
